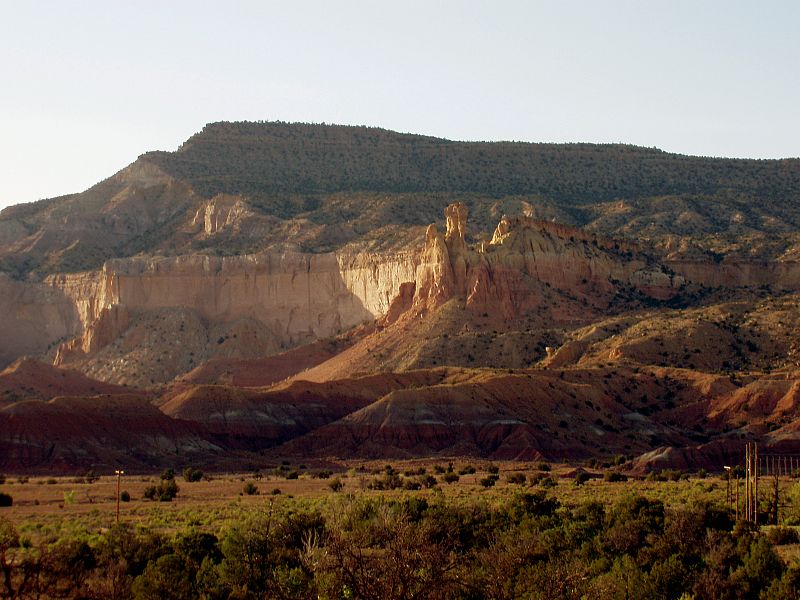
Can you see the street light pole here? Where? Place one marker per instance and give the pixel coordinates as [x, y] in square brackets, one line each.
[119, 473]
[728, 491]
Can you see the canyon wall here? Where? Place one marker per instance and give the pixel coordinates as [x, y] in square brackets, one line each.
[777, 274]
[298, 297]
[33, 318]
[288, 299]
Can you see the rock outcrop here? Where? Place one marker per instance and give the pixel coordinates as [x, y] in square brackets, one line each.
[507, 274]
[280, 301]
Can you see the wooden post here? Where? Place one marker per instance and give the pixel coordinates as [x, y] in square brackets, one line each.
[119, 476]
[737, 497]
[755, 489]
[747, 482]
[775, 502]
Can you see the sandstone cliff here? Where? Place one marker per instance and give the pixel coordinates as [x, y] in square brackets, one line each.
[506, 275]
[237, 307]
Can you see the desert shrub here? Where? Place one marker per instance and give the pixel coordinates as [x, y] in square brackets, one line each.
[779, 536]
[614, 476]
[543, 466]
[50, 481]
[489, 481]
[493, 469]
[389, 481]
[191, 474]
[276, 491]
[324, 474]
[548, 482]
[631, 523]
[292, 475]
[168, 474]
[124, 496]
[428, 481]
[163, 492]
[90, 476]
[250, 489]
[2, 479]
[6, 499]
[417, 471]
[336, 484]
[785, 588]
[581, 478]
[760, 566]
[516, 478]
[167, 577]
[450, 477]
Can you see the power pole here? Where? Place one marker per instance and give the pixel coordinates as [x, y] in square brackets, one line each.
[755, 505]
[119, 473]
[747, 481]
[728, 491]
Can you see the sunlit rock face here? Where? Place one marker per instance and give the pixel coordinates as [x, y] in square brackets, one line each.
[507, 274]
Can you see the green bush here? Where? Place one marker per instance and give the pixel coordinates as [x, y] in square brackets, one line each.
[581, 478]
[548, 482]
[489, 481]
[780, 536]
[163, 492]
[450, 477]
[191, 474]
[516, 478]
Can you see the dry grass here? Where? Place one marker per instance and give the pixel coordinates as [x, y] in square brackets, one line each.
[42, 506]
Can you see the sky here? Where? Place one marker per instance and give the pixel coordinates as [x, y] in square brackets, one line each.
[87, 86]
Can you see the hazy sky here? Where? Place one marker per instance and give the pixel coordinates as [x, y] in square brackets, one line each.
[85, 86]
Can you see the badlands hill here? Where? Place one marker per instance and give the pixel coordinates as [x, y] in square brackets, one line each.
[273, 289]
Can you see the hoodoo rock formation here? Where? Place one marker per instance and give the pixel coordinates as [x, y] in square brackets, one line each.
[524, 255]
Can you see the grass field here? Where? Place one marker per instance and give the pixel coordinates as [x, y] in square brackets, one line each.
[48, 506]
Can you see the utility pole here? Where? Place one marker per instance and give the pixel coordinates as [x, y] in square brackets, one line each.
[747, 481]
[755, 492]
[728, 491]
[119, 473]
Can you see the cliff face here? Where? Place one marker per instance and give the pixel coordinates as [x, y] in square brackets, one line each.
[34, 317]
[782, 275]
[278, 300]
[144, 320]
[507, 273]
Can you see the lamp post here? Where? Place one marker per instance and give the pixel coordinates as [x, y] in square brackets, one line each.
[119, 473]
[728, 495]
